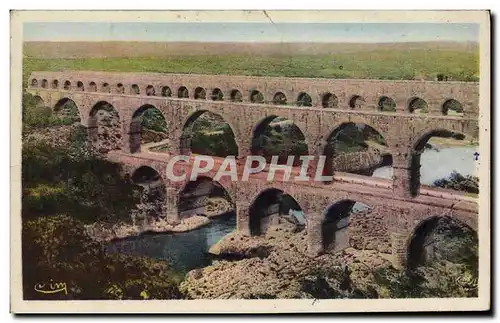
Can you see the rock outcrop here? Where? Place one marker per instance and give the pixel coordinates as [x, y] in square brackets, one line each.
[277, 266]
[102, 232]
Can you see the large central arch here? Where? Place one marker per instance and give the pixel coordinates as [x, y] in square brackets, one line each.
[204, 196]
[346, 223]
[269, 207]
[207, 133]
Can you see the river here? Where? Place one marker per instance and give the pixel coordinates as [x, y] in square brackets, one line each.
[189, 250]
[437, 164]
[183, 251]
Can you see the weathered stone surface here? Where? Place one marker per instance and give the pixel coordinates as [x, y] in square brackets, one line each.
[368, 231]
[274, 266]
[217, 206]
[358, 161]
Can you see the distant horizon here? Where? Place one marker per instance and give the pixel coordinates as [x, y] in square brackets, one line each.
[250, 32]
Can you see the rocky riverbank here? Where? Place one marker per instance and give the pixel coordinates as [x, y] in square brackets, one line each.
[106, 232]
[277, 266]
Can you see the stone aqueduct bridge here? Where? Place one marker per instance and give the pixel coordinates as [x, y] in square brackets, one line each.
[248, 104]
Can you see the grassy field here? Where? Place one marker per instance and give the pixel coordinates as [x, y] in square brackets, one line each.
[391, 61]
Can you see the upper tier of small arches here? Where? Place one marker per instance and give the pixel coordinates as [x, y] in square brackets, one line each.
[429, 99]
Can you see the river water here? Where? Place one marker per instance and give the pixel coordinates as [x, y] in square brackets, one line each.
[183, 251]
[188, 250]
[437, 164]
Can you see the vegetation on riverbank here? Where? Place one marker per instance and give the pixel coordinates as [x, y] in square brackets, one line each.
[65, 185]
[459, 182]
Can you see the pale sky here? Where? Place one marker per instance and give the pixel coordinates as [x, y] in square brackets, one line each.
[250, 32]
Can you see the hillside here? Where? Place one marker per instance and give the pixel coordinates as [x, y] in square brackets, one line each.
[157, 49]
[457, 61]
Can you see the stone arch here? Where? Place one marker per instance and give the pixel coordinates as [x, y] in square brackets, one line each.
[154, 192]
[182, 92]
[256, 96]
[105, 87]
[166, 91]
[105, 127]
[417, 149]
[120, 88]
[187, 134]
[217, 95]
[387, 104]
[200, 93]
[334, 225]
[67, 108]
[304, 100]
[453, 106]
[330, 101]
[236, 96]
[417, 105]
[92, 87]
[197, 195]
[34, 83]
[150, 90]
[346, 149]
[279, 98]
[145, 174]
[45, 84]
[67, 85]
[79, 86]
[55, 84]
[135, 90]
[295, 144]
[267, 209]
[157, 128]
[356, 102]
[421, 245]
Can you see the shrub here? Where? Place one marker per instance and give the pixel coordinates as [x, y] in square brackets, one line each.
[457, 181]
[56, 248]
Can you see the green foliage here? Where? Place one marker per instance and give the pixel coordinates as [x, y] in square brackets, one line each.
[354, 139]
[57, 249]
[212, 136]
[36, 115]
[221, 145]
[72, 179]
[457, 181]
[154, 120]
